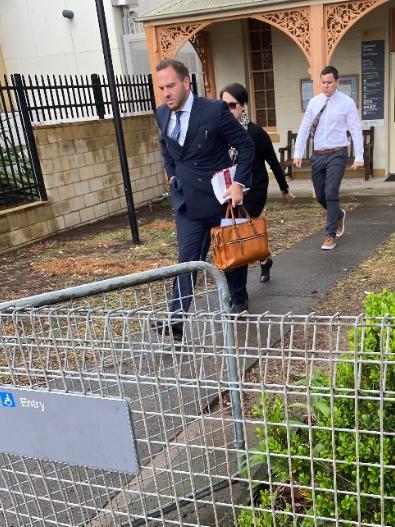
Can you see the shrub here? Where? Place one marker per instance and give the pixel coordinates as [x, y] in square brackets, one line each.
[341, 467]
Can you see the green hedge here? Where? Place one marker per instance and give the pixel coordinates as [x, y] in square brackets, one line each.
[362, 460]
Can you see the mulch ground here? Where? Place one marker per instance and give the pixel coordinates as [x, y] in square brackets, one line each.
[105, 249]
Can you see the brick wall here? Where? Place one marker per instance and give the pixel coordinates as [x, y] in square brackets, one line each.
[81, 170]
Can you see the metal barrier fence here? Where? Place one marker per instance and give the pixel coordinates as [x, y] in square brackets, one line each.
[254, 420]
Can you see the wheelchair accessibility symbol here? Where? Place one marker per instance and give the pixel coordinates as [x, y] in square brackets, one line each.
[7, 399]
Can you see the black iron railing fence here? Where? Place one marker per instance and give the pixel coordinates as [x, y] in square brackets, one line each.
[25, 100]
[62, 97]
[21, 178]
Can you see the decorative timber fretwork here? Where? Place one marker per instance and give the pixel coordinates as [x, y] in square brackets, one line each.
[340, 17]
[294, 22]
[172, 38]
[202, 45]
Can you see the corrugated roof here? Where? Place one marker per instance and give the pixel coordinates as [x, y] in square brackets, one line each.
[182, 8]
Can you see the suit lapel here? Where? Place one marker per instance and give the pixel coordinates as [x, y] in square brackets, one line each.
[165, 122]
[194, 120]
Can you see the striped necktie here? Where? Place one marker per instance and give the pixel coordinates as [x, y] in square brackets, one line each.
[176, 132]
[316, 119]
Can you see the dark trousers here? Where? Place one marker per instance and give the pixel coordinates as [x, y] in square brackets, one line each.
[193, 238]
[327, 173]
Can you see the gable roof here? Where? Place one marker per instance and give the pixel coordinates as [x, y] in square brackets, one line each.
[176, 9]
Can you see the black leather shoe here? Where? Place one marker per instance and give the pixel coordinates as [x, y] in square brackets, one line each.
[265, 270]
[239, 308]
[176, 329]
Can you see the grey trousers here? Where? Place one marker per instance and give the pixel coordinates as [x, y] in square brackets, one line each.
[327, 173]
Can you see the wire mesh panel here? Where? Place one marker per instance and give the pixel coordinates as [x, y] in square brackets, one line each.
[312, 442]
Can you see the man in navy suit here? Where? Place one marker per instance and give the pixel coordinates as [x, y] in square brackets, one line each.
[195, 136]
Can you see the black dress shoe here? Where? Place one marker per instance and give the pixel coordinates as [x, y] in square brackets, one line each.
[239, 308]
[176, 329]
[265, 270]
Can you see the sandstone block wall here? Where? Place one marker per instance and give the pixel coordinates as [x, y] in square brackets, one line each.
[81, 170]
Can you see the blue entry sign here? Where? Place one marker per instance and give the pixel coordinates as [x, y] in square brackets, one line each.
[85, 430]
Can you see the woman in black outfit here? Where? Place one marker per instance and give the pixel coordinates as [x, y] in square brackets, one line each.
[236, 96]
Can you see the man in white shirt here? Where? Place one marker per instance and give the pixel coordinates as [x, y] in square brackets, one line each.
[327, 119]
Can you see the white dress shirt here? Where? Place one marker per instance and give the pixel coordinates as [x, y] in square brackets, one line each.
[184, 119]
[339, 116]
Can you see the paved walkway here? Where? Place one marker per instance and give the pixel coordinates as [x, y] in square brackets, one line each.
[302, 275]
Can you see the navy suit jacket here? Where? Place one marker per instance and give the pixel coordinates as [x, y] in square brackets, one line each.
[212, 128]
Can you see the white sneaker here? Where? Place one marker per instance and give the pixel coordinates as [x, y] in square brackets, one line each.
[340, 224]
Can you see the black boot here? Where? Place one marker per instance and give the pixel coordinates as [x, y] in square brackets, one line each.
[237, 306]
[265, 270]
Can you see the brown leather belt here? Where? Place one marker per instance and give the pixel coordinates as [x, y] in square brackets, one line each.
[328, 151]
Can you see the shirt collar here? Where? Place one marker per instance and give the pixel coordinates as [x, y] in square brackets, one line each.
[334, 95]
[188, 103]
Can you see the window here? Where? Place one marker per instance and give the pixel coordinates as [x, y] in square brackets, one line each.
[261, 64]
[131, 26]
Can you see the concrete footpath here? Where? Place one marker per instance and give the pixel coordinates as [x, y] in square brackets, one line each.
[303, 274]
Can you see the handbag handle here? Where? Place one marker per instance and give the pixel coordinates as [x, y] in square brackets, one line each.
[230, 213]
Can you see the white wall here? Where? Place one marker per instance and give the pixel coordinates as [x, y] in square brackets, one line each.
[347, 59]
[228, 57]
[290, 65]
[36, 38]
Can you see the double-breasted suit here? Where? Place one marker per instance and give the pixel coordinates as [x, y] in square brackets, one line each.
[211, 129]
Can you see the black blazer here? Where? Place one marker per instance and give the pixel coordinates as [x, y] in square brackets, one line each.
[212, 128]
[255, 199]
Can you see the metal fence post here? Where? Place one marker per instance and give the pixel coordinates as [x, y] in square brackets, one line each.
[101, 17]
[27, 126]
[151, 92]
[194, 84]
[98, 95]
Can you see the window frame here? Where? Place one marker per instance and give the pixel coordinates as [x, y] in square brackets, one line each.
[252, 73]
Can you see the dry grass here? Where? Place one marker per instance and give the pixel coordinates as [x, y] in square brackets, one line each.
[105, 249]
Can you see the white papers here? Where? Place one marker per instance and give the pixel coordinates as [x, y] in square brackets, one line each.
[225, 222]
[222, 180]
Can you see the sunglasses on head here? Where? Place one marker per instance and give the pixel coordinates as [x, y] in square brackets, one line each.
[232, 105]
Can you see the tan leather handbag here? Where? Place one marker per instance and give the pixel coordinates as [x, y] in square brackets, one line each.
[239, 243]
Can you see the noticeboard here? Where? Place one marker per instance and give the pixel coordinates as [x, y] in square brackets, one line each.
[348, 84]
[372, 66]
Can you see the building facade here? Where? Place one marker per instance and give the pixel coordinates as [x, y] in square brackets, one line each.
[37, 39]
[277, 49]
